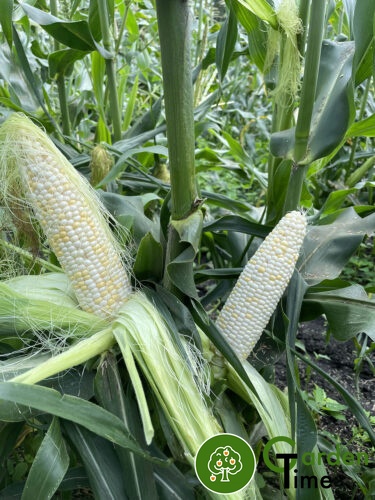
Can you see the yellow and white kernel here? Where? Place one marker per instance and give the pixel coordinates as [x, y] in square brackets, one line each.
[73, 222]
[261, 285]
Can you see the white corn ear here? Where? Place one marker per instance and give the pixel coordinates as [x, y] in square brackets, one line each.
[261, 285]
[36, 176]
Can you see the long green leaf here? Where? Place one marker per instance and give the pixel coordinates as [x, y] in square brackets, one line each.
[62, 61]
[6, 12]
[149, 261]
[262, 9]
[303, 425]
[226, 41]
[327, 248]
[363, 33]
[73, 34]
[107, 479]
[110, 392]
[237, 223]
[30, 77]
[130, 105]
[256, 32]
[77, 410]
[49, 466]
[349, 311]
[365, 127]
[271, 405]
[9, 433]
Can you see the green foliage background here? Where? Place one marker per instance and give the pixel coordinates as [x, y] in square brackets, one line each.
[90, 72]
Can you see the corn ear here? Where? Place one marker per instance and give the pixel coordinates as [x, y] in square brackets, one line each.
[261, 285]
[34, 174]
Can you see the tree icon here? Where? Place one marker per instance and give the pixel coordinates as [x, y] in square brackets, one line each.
[224, 460]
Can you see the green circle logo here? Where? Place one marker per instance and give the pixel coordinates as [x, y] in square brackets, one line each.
[225, 463]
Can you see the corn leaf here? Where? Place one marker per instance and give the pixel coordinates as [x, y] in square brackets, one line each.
[77, 410]
[179, 269]
[349, 6]
[131, 207]
[121, 163]
[237, 223]
[49, 465]
[106, 476]
[130, 105]
[172, 484]
[76, 383]
[256, 32]
[149, 261]
[9, 435]
[349, 311]
[302, 422]
[365, 127]
[226, 41]
[145, 123]
[267, 400]
[31, 78]
[262, 9]
[62, 61]
[363, 33]
[328, 247]
[110, 392]
[6, 12]
[73, 34]
[94, 19]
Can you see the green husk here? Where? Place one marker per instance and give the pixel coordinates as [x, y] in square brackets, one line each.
[79, 353]
[177, 379]
[44, 303]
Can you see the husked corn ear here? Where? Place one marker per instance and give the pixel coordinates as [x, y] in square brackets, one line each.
[70, 215]
[261, 285]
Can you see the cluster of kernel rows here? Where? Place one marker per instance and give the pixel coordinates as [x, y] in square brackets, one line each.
[261, 284]
[77, 233]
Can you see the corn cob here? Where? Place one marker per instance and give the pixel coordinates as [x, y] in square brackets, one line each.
[261, 285]
[36, 174]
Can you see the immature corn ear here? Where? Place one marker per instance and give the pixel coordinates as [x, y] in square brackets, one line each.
[100, 165]
[261, 285]
[34, 174]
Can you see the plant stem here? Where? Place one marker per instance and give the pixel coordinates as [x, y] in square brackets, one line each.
[310, 78]
[79, 353]
[293, 194]
[60, 81]
[110, 71]
[64, 109]
[304, 11]
[174, 21]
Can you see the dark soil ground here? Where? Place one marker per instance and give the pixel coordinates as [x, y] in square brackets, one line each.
[338, 362]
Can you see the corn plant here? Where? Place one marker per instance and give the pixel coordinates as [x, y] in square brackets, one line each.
[106, 344]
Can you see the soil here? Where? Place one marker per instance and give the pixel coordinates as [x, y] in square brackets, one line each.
[338, 362]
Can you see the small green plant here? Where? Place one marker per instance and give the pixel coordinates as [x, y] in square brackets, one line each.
[321, 404]
[360, 436]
